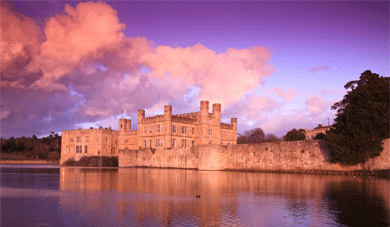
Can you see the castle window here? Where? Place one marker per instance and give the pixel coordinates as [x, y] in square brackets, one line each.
[71, 140]
[144, 130]
[68, 150]
[121, 126]
[126, 141]
[85, 149]
[184, 130]
[210, 132]
[78, 139]
[150, 129]
[193, 131]
[145, 144]
[157, 128]
[173, 143]
[159, 143]
[87, 139]
[149, 144]
[174, 129]
[78, 149]
[98, 152]
[193, 143]
[183, 143]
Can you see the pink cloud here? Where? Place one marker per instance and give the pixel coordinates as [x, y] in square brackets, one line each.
[20, 42]
[317, 105]
[87, 31]
[86, 70]
[286, 96]
[319, 67]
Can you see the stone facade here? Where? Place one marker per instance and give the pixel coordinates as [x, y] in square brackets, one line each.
[157, 132]
[305, 156]
[310, 134]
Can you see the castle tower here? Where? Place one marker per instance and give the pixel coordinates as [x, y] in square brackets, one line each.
[124, 125]
[233, 121]
[167, 126]
[203, 122]
[140, 132]
[216, 127]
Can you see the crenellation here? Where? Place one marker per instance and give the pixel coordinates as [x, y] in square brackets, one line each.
[226, 126]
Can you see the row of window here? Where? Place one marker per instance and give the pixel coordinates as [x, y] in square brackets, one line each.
[159, 143]
[79, 149]
[183, 130]
[79, 139]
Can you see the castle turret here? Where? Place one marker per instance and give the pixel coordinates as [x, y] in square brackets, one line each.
[124, 125]
[167, 126]
[203, 122]
[216, 124]
[140, 132]
[233, 121]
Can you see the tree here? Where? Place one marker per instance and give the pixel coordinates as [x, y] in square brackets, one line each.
[320, 136]
[271, 138]
[255, 135]
[294, 135]
[362, 120]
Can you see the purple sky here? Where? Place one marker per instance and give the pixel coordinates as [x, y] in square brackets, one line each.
[275, 65]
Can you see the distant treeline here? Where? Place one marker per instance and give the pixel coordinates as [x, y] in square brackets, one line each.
[256, 135]
[32, 147]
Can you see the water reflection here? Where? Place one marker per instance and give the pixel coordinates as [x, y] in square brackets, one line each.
[167, 197]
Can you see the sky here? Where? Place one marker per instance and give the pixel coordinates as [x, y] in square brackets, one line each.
[276, 65]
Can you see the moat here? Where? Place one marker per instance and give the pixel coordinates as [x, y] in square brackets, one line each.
[50, 195]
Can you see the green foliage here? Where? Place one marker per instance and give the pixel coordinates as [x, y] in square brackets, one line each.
[33, 147]
[362, 120]
[256, 135]
[294, 135]
[320, 136]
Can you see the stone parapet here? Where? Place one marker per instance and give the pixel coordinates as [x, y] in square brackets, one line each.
[308, 156]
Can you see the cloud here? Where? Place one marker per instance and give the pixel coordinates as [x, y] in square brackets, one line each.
[3, 115]
[83, 68]
[286, 96]
[319, 67]
[20, 42]
[223, 78]
[82, 33]
[317, 105]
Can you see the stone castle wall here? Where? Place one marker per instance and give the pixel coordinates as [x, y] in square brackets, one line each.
[294, 156]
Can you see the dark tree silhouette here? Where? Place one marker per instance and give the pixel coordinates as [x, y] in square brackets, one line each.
[294, 135]
[362, 120]
[320, 136]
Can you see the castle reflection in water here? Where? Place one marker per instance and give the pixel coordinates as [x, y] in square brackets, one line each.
[141, 196]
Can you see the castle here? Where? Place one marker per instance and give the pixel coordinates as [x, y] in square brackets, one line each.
[311, 134]
[157, 132]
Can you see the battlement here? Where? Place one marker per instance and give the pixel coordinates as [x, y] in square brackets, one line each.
[130, 132]
[188, 115]
[90, 131]
[157, 118]
[186, 118]
[216, 107]
[226, 126]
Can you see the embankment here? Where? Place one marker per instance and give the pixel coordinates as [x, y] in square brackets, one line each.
[307, 156]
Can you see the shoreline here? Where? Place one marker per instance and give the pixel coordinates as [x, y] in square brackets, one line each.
[29, 162]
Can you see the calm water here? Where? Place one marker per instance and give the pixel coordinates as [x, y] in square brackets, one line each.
[75, 196]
